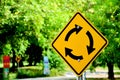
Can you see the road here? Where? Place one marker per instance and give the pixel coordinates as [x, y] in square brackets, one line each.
[71, 76]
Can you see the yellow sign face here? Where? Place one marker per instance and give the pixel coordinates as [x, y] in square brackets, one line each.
[79, 43]
[18, 58]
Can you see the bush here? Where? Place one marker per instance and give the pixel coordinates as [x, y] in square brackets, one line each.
[36, 71]
[56, 72]
[1, 75]
[30, 72]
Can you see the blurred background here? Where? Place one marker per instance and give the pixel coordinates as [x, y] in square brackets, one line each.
[28, 27]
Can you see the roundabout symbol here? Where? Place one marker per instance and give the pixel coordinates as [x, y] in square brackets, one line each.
[90, 48]
[79, 30]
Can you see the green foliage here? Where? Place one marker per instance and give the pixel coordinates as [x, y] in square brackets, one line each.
[7, 49]
[29, 72]
[26, 22]
[107, 21]
[55, 60]
[56, 72]
[32, 72]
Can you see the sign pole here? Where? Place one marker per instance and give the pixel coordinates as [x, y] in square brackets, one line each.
[18, 58]
[18, 66]
[84, 76]
[80, 78]
[6, 74]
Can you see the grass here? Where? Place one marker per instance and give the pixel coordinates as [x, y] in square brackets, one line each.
[118, 73]
[54, 72]
[34, 71]
[12, 76]
[30, 71]
[106, 68]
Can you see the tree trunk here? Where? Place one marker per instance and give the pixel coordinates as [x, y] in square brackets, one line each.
[110, 70]
[30, 61]
[21, 63]
[13, 61]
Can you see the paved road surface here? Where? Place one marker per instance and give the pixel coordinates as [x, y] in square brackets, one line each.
[71, 76]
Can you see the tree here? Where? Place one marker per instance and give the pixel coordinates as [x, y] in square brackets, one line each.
[18, 28]
[33, 53]
[27, 22]
[108, 16]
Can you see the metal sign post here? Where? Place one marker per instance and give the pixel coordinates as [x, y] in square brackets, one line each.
[6, 74]
[82, 77]
[79, 78]
[18, 66]
[18, 58]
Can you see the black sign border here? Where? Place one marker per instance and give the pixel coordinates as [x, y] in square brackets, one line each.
[106, 42]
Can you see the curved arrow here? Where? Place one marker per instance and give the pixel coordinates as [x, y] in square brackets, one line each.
[90, 47]
[76, 29]
[68, 52]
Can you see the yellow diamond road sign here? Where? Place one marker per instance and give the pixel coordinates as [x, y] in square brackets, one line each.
[79, 43]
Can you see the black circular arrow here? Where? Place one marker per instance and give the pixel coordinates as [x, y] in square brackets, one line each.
[90, 47]
[68, 52]
[76, 29]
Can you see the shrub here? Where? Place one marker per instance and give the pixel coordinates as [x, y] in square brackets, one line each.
[30, 72]
[35, 71]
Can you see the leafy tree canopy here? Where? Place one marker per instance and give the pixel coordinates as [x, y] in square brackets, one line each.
[25, 22]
